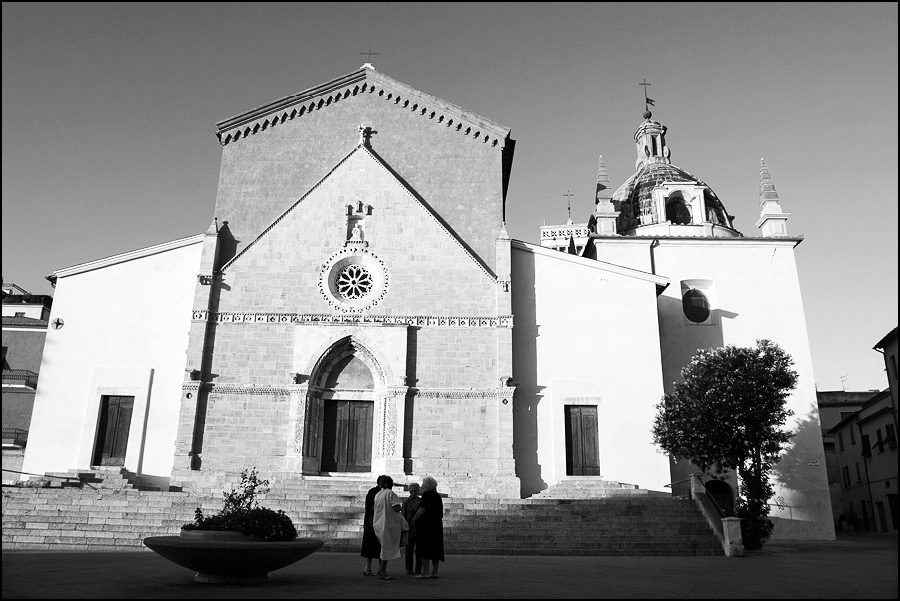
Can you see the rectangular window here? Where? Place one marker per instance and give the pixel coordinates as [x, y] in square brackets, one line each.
[841, 440]
[858, 474]
[880, 441]
[852, 436]
[866, 446]
[846, 477]
[20, 313]
[890, 436]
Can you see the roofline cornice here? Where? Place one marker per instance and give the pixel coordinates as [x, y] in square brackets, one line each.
[591, 263]
[127, 256]
[362, 81]
[693, 240]
[887, 338]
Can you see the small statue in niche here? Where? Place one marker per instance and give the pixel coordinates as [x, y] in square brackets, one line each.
[356, 233]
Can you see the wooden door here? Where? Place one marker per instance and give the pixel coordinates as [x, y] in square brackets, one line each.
[112, 430]
[582, 445]
[347, 436]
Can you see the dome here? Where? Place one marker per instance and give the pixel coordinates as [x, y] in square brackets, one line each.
[634, 198]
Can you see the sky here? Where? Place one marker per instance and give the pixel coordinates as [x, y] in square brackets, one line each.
[109, 114]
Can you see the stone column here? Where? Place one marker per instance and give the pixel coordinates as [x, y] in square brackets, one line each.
[189, 437]
[508, 484]
[390, 406]
[310, 432]
[293, 456]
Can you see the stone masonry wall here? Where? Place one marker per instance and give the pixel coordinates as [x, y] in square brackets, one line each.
[464, 358]
[453, 437]
[245, 430]
[430, 272]
[253, 354]
[460, 177]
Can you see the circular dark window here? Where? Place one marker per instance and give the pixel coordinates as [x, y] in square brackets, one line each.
[696, 305]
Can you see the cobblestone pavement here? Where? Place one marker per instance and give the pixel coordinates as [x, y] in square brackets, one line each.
[855, 566]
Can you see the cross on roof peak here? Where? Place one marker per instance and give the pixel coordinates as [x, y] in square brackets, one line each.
[369, 54]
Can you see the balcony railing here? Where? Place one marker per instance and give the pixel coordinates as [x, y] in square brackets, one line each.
[20, 377]
[15, 437]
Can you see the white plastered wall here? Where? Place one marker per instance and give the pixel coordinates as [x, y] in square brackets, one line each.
[755, 294]
[591, 332]
[125, 331]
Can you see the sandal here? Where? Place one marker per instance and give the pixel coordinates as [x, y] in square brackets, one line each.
[368, 573]
[385, 577]
[423, 576]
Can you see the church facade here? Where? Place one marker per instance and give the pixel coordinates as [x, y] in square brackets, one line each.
[357, 307]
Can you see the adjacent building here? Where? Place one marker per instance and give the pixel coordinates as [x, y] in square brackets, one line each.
[835, 405]
[25, 320]
[867, 459]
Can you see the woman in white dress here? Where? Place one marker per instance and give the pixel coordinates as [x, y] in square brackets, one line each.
[387, 523]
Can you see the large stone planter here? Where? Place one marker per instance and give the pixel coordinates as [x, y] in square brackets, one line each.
[230, 557]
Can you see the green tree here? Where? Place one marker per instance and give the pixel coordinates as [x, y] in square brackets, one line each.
[728, 413]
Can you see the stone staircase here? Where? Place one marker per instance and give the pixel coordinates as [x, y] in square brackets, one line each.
[112, 478]
[585, 487]
[99, 516]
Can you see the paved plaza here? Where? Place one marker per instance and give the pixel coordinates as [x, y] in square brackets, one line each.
[856, 566]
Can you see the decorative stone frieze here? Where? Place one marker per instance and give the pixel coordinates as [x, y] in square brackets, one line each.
[192, 385]
[421, 321]
[564, 232]
[251, 389]
[462, 393]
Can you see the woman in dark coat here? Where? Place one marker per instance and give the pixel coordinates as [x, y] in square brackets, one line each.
[371, 548]
[429, 521]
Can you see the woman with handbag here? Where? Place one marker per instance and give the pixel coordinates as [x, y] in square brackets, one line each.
[410, 506]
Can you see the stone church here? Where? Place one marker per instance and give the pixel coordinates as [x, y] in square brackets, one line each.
[356, 307]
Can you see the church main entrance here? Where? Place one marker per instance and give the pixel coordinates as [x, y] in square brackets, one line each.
[582, 448]
[347, 436]
[348, 413]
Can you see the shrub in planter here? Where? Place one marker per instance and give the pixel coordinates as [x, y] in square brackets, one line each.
[241, 513]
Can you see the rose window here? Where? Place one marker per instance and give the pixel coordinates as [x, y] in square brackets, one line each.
[354, 282]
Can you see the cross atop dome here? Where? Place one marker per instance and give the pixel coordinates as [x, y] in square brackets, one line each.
[648, 102]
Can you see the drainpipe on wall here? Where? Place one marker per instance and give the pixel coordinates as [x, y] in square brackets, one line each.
[868, 483]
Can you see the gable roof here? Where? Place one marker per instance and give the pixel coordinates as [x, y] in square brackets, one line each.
[363, 81]
[403, 185]
[887, 338]
[24, 322]
[661, 282]
[124, 257]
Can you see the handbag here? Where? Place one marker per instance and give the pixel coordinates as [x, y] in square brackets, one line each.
[404, 532]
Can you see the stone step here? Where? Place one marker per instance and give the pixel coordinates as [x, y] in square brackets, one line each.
[109, 519]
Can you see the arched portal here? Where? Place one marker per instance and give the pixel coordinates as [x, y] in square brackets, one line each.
[350, 415]
[347, 409]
